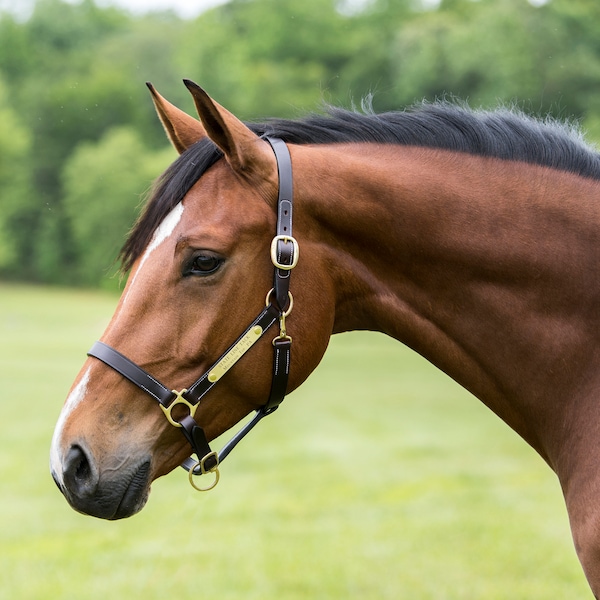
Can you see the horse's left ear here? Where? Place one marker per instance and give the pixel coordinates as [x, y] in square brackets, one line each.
[182, 130]
[246, 152]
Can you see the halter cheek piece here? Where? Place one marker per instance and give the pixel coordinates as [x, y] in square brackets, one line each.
[279, 303]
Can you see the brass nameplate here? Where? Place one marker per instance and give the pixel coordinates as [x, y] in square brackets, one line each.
[243, 345]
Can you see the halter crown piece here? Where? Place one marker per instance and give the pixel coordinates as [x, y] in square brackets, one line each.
[279, 304]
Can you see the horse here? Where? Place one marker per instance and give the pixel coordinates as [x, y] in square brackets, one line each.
[471, 236]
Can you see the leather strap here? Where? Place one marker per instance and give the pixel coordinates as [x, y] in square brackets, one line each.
[196, 437]
[284, 250]
[281, 370]
[131, 371]
[201, 386]
[192, 431]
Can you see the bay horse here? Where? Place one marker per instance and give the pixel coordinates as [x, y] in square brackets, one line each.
[473, 237]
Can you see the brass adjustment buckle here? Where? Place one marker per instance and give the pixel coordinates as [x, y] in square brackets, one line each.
[286, 239]
[178, 400]
[203, 471]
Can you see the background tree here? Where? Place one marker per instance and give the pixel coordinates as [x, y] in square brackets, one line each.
[72, 92]
[101, 206]
[17, 203]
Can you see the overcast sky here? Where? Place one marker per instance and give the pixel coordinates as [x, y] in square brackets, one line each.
[184, 8]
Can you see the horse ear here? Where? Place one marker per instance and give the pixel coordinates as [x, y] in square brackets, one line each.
[245, 151]
[182, 130]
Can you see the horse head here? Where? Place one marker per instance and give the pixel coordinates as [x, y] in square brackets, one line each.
[199, 273]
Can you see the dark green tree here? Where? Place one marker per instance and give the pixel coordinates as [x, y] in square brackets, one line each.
[16, 195]
[102, 205]
[72, 90]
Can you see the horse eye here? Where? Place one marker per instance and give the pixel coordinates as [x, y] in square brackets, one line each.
[205, 264]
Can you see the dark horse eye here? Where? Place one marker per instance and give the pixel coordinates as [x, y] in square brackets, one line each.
[205, 264]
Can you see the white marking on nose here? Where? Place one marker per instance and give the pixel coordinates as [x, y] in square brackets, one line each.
[75, 397]
[163, 231]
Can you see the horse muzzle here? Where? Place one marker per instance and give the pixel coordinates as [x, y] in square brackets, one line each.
[118, 494]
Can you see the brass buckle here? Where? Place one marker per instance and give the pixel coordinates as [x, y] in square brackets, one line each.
[203, 471]
[178, 400]
[286, 239]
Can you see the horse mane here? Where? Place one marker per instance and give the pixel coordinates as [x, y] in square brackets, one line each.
[505, 134]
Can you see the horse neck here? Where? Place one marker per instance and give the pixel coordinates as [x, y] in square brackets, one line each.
[472, 262]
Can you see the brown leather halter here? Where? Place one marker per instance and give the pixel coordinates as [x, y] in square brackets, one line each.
[279, 303]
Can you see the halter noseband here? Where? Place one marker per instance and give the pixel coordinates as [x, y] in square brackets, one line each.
[279, 303]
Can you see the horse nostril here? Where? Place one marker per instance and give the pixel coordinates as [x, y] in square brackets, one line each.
[79, 474]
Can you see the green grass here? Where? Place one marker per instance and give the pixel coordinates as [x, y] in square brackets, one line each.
[379, 478]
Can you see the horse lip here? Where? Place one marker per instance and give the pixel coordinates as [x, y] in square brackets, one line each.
[136, 494]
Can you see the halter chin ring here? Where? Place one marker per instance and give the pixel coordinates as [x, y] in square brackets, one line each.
[179, 399]
[201, 466]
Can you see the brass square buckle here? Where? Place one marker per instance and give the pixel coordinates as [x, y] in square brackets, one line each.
[286, 239]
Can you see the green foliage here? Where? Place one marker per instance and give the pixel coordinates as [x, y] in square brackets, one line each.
[269, 57]
[102, 183]
[73, 74]
[16, 208]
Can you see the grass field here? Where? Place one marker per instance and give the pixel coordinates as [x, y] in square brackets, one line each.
[379, 478]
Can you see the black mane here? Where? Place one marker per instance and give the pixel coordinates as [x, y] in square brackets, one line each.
[504, 134]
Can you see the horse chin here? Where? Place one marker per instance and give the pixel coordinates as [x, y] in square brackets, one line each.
[136, 494]
[114, 498]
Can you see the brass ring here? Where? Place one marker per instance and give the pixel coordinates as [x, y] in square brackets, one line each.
[290, 305]
[204, 471]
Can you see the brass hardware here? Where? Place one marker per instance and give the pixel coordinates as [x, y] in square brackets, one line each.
[243, 345]
[204, 471]
[282, 326]
[178, 400]
[286, 239]
[290, 304]
[282, 329]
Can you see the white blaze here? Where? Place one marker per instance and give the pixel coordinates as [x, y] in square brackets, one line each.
[163, 231]
[75, 397]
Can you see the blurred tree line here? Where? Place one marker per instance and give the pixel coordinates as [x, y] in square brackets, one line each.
[80, 144]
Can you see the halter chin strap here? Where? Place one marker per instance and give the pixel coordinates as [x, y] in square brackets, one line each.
[278, 305]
